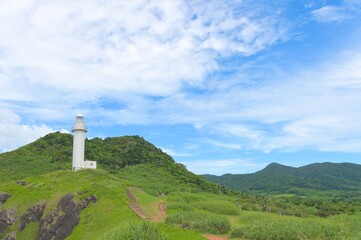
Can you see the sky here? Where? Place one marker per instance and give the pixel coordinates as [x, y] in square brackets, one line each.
[221, 86]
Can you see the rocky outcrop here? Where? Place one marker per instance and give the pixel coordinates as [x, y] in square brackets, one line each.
[21, 183]
[4, 197]
[9, 237]
[33, 214]
[59, 223]
[7, 218]
[89, 199]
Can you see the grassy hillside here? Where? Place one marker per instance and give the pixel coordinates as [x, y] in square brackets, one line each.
[334, 179]
[54, 152]
[109, 212]
[42, 199]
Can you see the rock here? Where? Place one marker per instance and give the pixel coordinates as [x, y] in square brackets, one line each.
[86, 201]
[21, 183]
[7, 218]
[60, 223]
[9, 237]
[4, 197]
[33, 214]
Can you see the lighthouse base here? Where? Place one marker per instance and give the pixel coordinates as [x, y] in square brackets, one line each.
[86, 164]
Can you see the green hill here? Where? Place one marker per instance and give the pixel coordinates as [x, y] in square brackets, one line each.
[38, 191]
[139, 192]
[117, 155]
[279, 179]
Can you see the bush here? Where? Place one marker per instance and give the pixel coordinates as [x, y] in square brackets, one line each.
[203, 222]
[144, 231]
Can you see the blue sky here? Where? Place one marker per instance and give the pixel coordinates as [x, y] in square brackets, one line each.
[222, 86]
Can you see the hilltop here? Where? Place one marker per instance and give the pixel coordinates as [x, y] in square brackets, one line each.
[306, 180]
[115, 154]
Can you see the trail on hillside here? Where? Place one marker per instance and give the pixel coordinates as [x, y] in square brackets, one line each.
[158, 216]
[134, 206]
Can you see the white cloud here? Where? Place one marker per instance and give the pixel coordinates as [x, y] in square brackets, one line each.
[14, 134]
[331, 14]
[106, 48]
[221, 166]
[174, 153]
[216, 143]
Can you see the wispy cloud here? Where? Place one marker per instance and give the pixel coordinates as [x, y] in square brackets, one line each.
[346, 10]
[223, 144]
[221, 166]
[330, 14]
[174, 153]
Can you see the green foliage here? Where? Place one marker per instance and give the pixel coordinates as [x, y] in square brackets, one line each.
[118, 155]
[276, 178]
[218, 207]
[144, 231]
[203, 222]
[110, 210]
[274, 227]
[224, 205]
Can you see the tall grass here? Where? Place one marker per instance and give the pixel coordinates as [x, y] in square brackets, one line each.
[218, 207]
[144, 231]
[203, 222]
[264, 226]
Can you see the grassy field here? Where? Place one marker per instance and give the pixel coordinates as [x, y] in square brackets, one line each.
[188, 214]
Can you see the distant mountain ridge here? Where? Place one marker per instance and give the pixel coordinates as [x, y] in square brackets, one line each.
[277, 178]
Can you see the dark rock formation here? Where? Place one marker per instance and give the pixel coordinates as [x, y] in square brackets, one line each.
[7, 218]
[33, 214]
[9, 237]
[4, 197]
[60, 223]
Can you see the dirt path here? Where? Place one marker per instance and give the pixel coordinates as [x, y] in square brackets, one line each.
[134, 206]
[158, 217]
[211, 237]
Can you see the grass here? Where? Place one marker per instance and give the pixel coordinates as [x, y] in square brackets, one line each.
[110, 214]
[270, 226]
[150, 204]
[109, 211]
[144, 231]
[202, 222]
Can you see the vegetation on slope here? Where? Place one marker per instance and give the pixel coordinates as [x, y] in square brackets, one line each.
[337, 180]
[54, 152]
[192, 202]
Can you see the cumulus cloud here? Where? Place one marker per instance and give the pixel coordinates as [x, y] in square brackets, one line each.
[155, 62]
[108, 47]
[13, 133]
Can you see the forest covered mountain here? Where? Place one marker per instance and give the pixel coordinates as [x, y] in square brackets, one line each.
[306, 180]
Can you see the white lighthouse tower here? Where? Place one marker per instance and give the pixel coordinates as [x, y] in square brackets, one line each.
[79, 131]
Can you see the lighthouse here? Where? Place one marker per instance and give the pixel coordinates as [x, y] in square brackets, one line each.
[79, 131]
